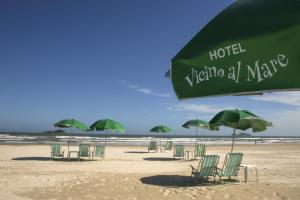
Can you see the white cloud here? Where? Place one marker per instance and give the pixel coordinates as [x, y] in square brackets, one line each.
[288, 98]
[142, 90]
[197, 108]
[286, 123]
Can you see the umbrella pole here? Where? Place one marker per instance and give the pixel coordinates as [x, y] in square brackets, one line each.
[232, 140]
[160, 144]
[196, 138]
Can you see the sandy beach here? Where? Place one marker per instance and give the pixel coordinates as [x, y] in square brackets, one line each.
[130, 173]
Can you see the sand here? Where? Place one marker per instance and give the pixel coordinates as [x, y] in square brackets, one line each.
[130, 173]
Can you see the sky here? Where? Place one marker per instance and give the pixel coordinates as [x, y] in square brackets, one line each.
[92, 60]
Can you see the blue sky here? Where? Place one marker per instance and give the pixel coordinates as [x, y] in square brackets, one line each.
[91, 60]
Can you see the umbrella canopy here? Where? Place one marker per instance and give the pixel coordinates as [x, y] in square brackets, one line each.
[71, 123]
[228, 61]
[199, 123]
[239, 119]
[107, 124]
[161, 128]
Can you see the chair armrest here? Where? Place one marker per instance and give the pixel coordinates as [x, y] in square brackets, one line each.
[193, 168]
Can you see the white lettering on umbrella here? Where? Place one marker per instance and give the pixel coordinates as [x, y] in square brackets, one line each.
[226, 51]
[257, 72]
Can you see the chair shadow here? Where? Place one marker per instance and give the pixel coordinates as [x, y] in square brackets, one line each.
[32, 158]
[136, 152]
[230, 181]
[48, 159]
[160, 159]
[174, 181]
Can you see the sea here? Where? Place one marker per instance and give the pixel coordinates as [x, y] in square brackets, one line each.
[139, 140]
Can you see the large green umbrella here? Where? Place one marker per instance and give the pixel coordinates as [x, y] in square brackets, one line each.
[198, 123]
[239, 119]
[161, 129]
[107, 124]
[71, 123]
[227, 58]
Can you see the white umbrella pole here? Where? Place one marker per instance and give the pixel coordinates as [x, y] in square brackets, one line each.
[232, 140]
[196, 137]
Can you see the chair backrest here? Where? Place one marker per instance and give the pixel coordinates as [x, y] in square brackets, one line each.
[178, 150]
[84, 150]
[56, 149]
[99, 150]
[200, 150]
[207, 165]
[169, 145]
[152, 145]
[232, 164]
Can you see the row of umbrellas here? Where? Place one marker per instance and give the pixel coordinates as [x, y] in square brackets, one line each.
[235, 119]
[99, 125]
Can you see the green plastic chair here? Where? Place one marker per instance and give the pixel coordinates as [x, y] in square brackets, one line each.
[178, 151]
[152, 146]
[231, 166]
[56, 151]
[207, 167]
[168, 145]
[84, 150]
[199, 150]
[99, 151]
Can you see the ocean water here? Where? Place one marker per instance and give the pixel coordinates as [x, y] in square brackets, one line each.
[139, 141]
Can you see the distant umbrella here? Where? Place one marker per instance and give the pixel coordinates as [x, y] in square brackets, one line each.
[198, 123]
[239, 119]
[71, 123]
[108, 124]
[160, 129]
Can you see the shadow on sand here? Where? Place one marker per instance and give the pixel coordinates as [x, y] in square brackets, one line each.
[32, 158]
[136, 152]
[174, 181]
[160, 159]
[48, 159]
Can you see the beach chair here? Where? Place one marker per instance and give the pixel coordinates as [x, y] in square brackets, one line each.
[56, 151]
[84, 151]
[99, 151]
[207, 167]
[152, 146]
[199, 150]
[168, 145]
[231, 166]
[178, 151]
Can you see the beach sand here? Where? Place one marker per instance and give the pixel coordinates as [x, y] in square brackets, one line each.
[130, 173]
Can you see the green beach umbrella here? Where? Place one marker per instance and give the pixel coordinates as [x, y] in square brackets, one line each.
[161, 129]
[250, 47]
[239, 119]
[71, 123]
[198, 123]
[108, 124]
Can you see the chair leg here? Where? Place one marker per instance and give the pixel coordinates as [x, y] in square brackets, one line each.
[256, 174]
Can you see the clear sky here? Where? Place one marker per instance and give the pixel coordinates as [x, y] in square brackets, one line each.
[91, 60]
